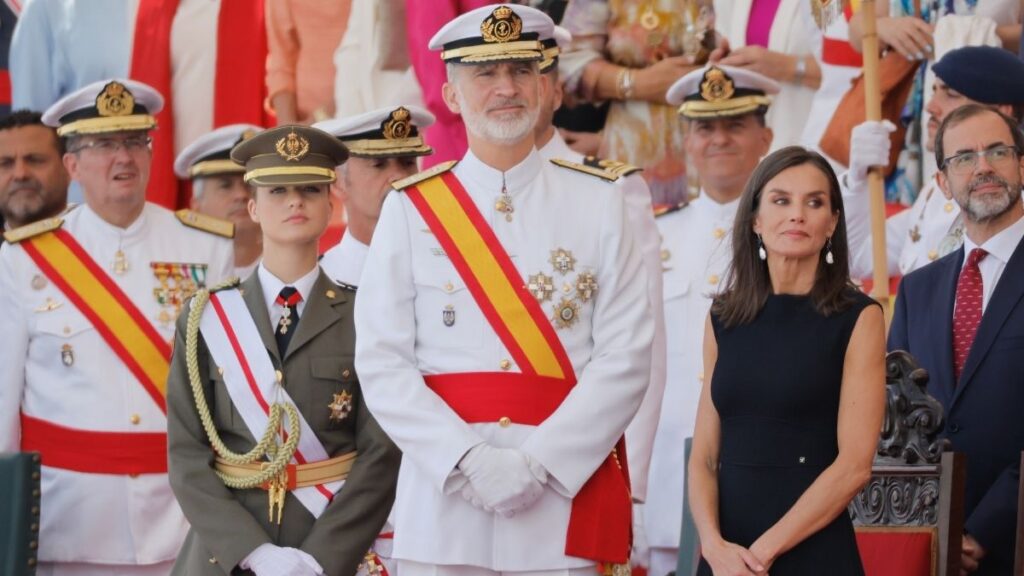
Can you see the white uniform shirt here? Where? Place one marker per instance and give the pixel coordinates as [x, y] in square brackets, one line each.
[696, 252]
[140, 517]
[344, 262]
[913, 237]
[640, 218]
[400, 315]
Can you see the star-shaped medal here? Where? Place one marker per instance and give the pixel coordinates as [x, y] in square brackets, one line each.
[341, 406]
[541, 286]
[563, 260]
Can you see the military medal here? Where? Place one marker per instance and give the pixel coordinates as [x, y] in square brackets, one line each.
[50, 305]
[38, 282]
[340, 406]
[586, 286]
[541, 286]
[286, 320]
[566, 313]
[948, 207]
[120, 263]
[915, 233]
[448, 316]
[563, 261]
[504, 204]
[67, 355]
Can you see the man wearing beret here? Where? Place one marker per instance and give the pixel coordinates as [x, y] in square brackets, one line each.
[89, 300]
[504, 333]
[278, 465]
[218, 189]
[383, 146]
[932, 227]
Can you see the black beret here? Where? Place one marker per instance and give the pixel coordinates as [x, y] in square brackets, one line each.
[983, 74]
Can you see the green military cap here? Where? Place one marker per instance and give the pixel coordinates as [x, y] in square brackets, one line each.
[290, 155]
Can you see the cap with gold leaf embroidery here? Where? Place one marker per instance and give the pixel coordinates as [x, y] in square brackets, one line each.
[290, 155]
[716, 91]
[383, 133]
[115, 105]
[210, 154]
[494, 33]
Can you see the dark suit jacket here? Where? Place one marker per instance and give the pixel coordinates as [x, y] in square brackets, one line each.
[985, 411]
[229, 524]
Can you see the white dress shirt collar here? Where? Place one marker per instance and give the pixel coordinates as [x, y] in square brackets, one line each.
[480, 176]
[714, 210]
[344, 262]
[557, 148]
[92, 221]
[272, 286]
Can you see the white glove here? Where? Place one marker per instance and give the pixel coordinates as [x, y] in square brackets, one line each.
[869, 146]
[641, 556]
[505, 479]
[271, 560]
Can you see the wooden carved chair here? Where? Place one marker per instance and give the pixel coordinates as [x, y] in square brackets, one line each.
[19, 513]
[909, 518]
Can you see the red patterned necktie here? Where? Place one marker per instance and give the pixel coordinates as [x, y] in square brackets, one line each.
[967, 316]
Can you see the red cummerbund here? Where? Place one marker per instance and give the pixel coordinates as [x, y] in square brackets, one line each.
[839, 53]
[92, 451]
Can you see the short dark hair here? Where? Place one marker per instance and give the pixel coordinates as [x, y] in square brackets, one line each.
[748, 284]
[23, 118]
[969, 111]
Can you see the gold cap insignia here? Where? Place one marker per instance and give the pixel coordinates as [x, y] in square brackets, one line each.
[398, 126]
[115, 100]
[292, 147]
[717, 86]
[503, 25]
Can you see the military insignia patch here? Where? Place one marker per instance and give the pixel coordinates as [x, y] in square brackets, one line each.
[717, 86]
[340, 406]
[398, 126]
[503, 25]
[115, 100]
[292, 147]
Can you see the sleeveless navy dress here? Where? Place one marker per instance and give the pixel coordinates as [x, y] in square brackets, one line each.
[776, 387]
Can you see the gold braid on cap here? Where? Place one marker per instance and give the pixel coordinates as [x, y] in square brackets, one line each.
[279, 455]
[503, 25]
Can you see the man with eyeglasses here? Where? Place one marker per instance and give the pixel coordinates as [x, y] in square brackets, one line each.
[89, 300]
[962, 317]
[931, 228]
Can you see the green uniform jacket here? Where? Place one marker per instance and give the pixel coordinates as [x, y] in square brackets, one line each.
[228, 524]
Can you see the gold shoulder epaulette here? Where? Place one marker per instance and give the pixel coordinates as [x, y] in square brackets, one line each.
[613, 166]
[663, 209]
[600, 173]
[425, 175]
[34, 229]
[206, 223]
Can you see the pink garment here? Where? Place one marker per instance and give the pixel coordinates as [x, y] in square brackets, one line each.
[759, 27]
[425, 18]
[302, 37]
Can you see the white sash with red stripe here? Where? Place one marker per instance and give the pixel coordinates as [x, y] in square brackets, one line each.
[231, 336]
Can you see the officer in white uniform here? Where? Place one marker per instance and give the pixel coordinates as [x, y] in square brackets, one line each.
[640, 214]
[95, 410]
[494, 495]
[726, 136]
[218, 189]
[931, 228]
[383, 146]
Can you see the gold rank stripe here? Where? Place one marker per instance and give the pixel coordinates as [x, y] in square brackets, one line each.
[121, 324]
[492, 279]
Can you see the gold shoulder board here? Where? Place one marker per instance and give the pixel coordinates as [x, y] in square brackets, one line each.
[229, 284]
[613, 166]
[600, 173]
[663, 209]
[34, 229]
[206, 223]
[425, 175]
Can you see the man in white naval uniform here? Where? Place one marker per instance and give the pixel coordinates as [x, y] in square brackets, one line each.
[725, 139]
[640, 215]
[219, 190]
[931, 227]
[89, 302]
[383, 146]
[504, 447]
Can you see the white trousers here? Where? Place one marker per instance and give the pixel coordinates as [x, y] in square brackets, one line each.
[410, 568]
[82, 569]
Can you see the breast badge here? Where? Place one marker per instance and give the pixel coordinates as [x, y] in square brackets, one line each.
[340, 406]
[448, 315]
[563, 261]
[567, 312]
[67, 355]
[586, 286]
[541, 286]
[574, 294]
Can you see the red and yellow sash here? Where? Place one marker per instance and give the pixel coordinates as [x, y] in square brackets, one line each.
[121, 324]
[600, 521]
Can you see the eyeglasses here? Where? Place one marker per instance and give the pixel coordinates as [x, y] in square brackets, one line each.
[111, 146]
[964, 162]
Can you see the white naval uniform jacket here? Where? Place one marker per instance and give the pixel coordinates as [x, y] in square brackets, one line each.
[640, 219]
[400, 315]
[913, 237]
[696, 252]
[343, 263]
[140, 519]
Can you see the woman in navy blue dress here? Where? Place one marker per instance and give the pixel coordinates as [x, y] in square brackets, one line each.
[788, 423]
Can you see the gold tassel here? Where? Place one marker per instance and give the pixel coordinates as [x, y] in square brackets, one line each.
[826, 12]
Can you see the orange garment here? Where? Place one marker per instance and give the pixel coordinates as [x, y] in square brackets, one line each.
[302, 36]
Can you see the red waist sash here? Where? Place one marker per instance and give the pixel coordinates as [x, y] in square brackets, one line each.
[94, 452]
[839, 53]
[600, 523]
